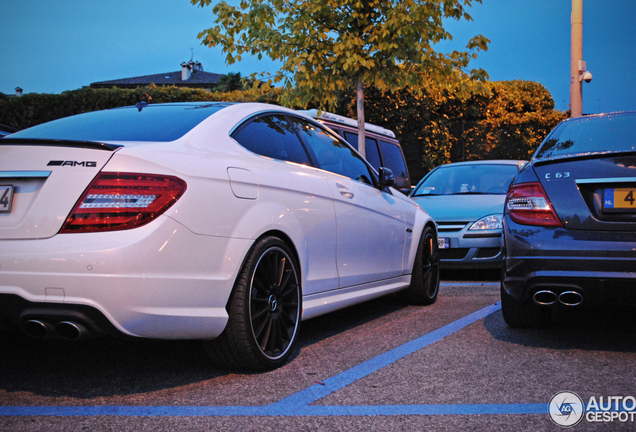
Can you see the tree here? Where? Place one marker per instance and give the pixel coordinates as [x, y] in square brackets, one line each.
[514, 120]
[229, 82]
[334, 45]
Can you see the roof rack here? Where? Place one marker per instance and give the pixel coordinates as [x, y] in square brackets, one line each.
[313, 113]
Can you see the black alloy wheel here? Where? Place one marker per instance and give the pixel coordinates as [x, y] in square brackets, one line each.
[426, 269]
[274, 302]
[264, 310]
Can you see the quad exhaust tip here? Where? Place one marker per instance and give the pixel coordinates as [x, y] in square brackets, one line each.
[545, 298]
[36, 329]
[549, 298]
[68, 330]
[570, 298]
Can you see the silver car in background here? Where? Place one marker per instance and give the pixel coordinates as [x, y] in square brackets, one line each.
[466, 200]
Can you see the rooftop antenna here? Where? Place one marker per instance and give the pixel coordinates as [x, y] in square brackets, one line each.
[191, 54]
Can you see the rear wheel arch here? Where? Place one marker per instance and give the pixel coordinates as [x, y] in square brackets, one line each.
[264, 308]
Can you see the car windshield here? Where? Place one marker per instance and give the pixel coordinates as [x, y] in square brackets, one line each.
[467, 179]
[143, 122]
[590, 135]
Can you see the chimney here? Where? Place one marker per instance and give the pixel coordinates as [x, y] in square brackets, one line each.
[198, 66]
[18, 91]
[185, 71]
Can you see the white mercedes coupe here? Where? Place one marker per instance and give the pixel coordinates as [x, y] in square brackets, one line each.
[228, 223]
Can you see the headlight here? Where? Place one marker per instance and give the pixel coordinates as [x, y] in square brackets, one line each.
[487, 223]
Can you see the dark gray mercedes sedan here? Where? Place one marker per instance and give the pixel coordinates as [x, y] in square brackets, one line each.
[570, 222]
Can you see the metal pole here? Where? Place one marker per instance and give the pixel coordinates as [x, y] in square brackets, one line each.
[576, 59]
[360, 112]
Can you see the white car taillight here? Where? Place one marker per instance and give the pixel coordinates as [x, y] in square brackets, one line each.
[118, 201]
[528, 204]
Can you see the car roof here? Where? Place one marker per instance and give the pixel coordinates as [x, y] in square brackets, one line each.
[341, 120]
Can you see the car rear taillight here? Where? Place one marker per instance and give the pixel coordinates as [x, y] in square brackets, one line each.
[528, 204]
[119, 201]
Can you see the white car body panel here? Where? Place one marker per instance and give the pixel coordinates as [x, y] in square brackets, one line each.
[171, 278]
[362, 211]
[43, 201]
[148, 282]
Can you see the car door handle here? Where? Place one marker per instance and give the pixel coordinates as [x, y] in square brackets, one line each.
[344, 191]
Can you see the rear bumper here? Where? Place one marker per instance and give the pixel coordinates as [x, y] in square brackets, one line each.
[157, 281]
[601, 266]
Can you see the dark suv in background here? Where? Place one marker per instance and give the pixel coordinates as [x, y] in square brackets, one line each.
[382, 148]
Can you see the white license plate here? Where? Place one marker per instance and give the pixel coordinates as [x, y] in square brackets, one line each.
[443, 243]
[6, 198]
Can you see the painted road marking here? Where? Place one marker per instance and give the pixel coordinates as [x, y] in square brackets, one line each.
[298, 404]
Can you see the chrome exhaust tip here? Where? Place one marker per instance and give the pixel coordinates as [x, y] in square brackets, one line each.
[570, 298]
[69, 330]
[36, 329]
[545, 298]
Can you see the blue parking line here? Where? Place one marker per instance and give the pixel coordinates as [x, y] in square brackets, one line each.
[273, 410]
[337, 382]
[299, 404]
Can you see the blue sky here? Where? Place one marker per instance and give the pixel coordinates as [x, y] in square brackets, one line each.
[52, 46]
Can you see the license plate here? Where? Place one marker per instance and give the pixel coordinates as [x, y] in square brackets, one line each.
[619, 199]
[443, 243]
[6, 198]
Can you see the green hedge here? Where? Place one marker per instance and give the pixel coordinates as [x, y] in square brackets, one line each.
[33, 108]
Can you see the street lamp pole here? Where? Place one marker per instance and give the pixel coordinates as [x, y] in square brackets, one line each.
[577, 65]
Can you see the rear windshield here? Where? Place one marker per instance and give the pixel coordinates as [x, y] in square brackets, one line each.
[467, 179]
[591, 135]
[142, 123]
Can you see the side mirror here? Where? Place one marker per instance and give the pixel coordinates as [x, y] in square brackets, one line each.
[387, 178]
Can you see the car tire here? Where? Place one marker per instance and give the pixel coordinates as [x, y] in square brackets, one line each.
[520, 314]
[264, 310]
[425, 276]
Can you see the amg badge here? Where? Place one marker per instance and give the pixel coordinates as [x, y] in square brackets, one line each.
[87, 164]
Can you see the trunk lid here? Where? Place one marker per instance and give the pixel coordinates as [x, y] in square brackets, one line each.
[592, 193]
[40, 182]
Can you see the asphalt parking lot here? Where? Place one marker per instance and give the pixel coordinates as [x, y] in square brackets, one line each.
[379, 366]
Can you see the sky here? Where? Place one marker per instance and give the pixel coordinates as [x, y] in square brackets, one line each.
[49, 46]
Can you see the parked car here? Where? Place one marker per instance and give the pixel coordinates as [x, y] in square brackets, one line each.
[570, 222]
[382, 148]
[228, 223]
[466, 200]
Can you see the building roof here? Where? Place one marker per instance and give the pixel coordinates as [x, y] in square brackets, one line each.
[197, 78]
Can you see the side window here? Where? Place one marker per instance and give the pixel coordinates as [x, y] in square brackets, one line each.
[272, 136]
[393, 159]
[332, 154]
[371, 147]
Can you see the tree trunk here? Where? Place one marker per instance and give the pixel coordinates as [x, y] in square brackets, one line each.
[360, 110]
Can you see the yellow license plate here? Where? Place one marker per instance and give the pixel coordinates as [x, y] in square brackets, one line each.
[619, 198]
[6, 198]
